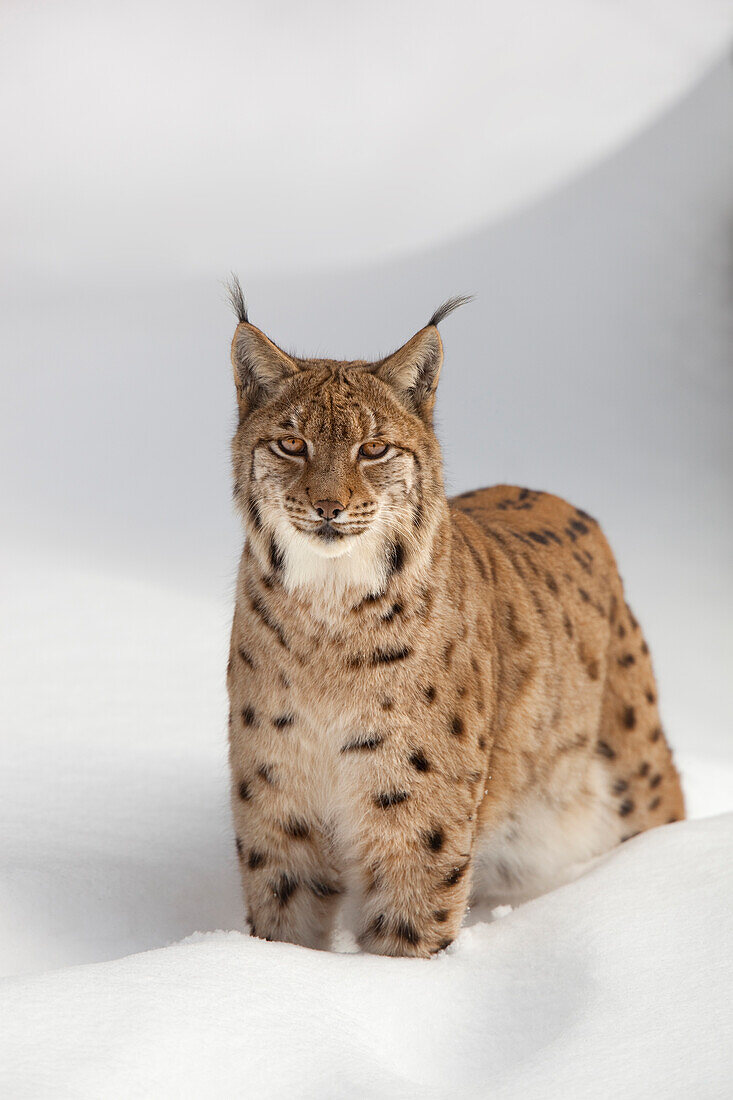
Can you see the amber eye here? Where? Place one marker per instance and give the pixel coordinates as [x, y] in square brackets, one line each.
[373, 449]
[292, 445]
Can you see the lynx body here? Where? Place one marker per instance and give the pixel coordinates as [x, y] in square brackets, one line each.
[431, 699]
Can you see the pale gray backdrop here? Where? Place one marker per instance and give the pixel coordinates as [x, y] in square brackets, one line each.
[595, 362]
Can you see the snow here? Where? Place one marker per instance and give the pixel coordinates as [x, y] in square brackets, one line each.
[116, 839]
[596, 989]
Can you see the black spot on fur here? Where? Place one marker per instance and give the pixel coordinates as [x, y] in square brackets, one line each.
[650, 696]
[584, 595]
[629, 718]
[378, 924]
[626, 807]
[429, 693]
[266, 773]
[245, 657]
[435, 840]
[457, 728]
[363, 744]
[248, 716]
[655, 781]
[442, 945]
[644, 769]
[655, 734]
[407, 932]
[244, 791]
[396, 559]
[441, 915]
[620, 786]
[323, 889]
[627, 660]
[283, 720]
[419, 760]
[654, 803]
[264, 615]
[388, 656]
[395, 609]
[551, 583]
[239, 846]
[385, 799]
[482, 743]
[582, 562]
[605, 750]
[537, 536]
[296, 828]
[371, 597]
[284, 888]
[579, 526]
[456, 874]
[277, 557]
[253, 512]
[255, 859]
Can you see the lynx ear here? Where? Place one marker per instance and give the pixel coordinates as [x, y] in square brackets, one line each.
[413, 370]
[259, 366]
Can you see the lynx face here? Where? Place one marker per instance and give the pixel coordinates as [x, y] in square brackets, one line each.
[328, 461]
[335, 460]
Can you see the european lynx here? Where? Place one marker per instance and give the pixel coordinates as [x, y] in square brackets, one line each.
[431, 700]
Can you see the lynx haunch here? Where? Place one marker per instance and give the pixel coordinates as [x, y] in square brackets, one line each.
[432, 700]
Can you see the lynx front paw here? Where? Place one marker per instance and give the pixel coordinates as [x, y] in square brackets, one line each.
[398, 936]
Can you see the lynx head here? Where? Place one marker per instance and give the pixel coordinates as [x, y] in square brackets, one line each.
[336, 465]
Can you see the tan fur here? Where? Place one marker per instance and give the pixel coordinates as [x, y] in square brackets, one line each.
[449, 700]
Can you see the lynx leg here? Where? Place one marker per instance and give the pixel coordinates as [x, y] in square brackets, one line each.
[413, 839]
[290, 883]
[643, 780]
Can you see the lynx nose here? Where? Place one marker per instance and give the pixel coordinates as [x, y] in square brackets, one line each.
[329, 509]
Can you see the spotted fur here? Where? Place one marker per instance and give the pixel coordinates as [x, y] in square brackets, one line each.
[431, 699]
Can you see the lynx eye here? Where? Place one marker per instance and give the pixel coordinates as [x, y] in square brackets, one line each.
[373, 449]
[292, 445]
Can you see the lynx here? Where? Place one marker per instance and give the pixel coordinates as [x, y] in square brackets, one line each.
[432, 700]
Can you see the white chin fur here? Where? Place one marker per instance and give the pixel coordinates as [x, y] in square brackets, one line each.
[335, 549]
[357, 561]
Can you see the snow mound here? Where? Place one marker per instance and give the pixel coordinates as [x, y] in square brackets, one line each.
[596, 989]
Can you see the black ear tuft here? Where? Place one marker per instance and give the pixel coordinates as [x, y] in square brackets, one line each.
[236, 298]
[447, 307]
